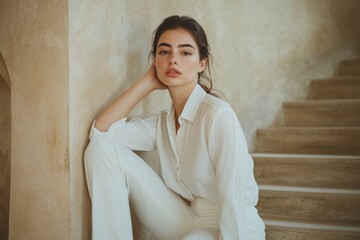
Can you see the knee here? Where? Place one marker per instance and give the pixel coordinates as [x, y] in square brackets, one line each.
[104, 151]
[99, 149]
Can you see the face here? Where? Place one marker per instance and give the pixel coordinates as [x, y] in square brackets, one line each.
[177, 59]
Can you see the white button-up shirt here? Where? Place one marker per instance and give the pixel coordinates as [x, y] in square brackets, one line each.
[206, 158]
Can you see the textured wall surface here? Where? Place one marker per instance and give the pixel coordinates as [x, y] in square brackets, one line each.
[5, 138]
[34, 42]
[69, 59]
[5, 149]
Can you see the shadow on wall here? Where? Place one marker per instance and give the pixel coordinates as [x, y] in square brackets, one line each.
[343, 16]
[5, 148]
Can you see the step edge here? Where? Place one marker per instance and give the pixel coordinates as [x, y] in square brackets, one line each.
[337, 78]
[309, 190]
[309, 128]
[350, 61]
[306, 156]
[311, 226]
[321, 102]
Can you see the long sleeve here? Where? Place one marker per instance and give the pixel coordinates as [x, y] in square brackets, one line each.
[233, 171]
[137, 134]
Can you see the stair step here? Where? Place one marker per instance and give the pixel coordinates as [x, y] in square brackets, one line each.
[335, 88]
[309, 140]
[298, 231]
[307, 170]
[321, 113]
[349, 67]
[310, 205]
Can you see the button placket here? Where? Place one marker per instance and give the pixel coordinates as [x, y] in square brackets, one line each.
[179, 146]
[178, 170]
[172, 137]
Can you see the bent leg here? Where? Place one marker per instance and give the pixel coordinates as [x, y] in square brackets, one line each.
[158, 208]
[115, 174]
[108, 192]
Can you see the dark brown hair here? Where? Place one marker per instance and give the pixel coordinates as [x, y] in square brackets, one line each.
[195, 29]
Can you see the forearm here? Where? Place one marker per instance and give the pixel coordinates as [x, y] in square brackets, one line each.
[121, 107]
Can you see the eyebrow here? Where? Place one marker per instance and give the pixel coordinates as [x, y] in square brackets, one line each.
[179, 46]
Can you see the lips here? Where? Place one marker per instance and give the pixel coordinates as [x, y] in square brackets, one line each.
[172, 72]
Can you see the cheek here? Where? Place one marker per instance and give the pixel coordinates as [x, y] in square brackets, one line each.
[158, 62]
[193, 64]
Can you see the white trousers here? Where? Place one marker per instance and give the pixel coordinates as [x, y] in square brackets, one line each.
[117, 177]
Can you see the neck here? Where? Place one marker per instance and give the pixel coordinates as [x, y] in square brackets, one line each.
[179, 96]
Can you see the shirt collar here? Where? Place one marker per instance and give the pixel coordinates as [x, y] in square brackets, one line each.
[192, 104]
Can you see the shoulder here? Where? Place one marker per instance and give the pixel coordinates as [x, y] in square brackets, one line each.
[215, 113]
[215, 104]
[220, 114]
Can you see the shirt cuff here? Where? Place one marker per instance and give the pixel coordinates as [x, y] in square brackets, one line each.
[96, 132]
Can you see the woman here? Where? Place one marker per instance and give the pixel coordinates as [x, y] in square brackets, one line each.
[207, 189]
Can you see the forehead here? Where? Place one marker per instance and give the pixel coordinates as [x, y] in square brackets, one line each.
[176, 37]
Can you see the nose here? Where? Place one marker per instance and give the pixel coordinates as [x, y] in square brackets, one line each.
[172, 61]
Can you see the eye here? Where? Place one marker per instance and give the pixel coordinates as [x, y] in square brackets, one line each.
[186, 53]
[163, 52]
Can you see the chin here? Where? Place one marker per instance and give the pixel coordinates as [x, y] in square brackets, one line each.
[170, 81]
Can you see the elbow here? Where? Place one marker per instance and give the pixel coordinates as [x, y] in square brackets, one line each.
[100, 125]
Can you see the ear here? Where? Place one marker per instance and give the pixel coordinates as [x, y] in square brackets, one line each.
[202, 64]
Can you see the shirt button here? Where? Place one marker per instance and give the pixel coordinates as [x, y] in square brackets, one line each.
[177, 168]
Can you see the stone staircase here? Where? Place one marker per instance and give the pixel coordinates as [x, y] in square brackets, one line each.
[308, 170]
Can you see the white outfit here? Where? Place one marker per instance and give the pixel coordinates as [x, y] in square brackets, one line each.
[206, 162]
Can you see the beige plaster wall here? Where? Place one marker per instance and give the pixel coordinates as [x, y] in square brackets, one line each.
[5, 149]
[265, 53]
[34, 42]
